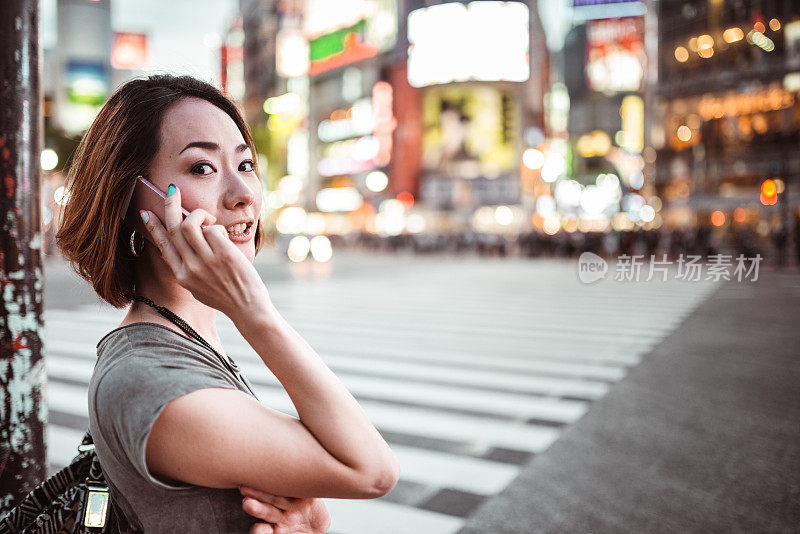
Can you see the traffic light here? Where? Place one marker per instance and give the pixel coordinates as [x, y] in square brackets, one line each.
[769, 192]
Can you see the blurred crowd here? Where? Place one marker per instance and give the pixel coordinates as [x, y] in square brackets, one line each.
[781, 248]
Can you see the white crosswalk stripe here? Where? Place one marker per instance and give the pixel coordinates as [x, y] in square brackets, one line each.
[467, 369]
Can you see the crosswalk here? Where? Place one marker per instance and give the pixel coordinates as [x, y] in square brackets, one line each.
[468, 369]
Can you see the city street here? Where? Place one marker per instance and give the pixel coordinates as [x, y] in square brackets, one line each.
[702, 436]
[551, 247]
[471, 369]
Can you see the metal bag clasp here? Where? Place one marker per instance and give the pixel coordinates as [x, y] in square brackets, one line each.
[96, 507]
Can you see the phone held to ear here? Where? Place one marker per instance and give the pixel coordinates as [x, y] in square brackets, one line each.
[145, 196]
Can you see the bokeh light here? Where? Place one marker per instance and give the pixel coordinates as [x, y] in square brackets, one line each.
[321, 249]
[48, 159]
[533, 159]
[376, 181]
[299, 247]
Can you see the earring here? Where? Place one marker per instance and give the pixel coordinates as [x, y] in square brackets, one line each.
[137, 246]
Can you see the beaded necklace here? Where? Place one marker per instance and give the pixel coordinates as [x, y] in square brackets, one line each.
[227, 362]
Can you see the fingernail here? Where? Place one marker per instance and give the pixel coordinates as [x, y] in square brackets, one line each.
[145, 215]
[171, 189]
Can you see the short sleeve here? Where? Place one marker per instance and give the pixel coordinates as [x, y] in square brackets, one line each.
[133, 393]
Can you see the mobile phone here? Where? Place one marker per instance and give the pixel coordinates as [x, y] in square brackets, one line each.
[145, 196]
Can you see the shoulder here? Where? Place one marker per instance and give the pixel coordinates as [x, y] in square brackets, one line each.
[151, 347]
[135, 380]
[150, 338]
[149, 366]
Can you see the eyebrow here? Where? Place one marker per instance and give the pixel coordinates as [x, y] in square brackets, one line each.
[210, 145]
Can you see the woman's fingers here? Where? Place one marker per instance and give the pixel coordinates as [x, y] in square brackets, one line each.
[189, 236]
[262, 510]
[217, 237]
[261, 528]
[173, 218]
[193, 232]
[161, 238]
[197, 232]
[283, 503]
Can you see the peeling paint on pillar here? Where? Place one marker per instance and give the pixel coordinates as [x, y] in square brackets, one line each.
[23, 407]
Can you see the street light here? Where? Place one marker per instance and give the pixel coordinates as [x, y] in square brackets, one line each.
[769, 192]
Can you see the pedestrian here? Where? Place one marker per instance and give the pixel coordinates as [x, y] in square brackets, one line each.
[178, 431]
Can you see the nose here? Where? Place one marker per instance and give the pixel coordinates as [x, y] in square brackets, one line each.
[239, 190]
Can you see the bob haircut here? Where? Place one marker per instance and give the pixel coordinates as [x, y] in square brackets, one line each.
[120, 145]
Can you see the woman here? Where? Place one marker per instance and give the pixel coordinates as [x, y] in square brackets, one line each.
[177, 433]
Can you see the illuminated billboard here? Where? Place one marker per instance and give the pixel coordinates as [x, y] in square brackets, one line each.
[469, 131]
[479, 41]
[291, 53]
[587, 3]
[129, 51]
[604, 9]
[85, 89]
[358, 139]
[86, 83]
[615, 55]
[343, 32]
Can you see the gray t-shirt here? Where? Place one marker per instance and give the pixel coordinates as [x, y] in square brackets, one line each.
[140, 368]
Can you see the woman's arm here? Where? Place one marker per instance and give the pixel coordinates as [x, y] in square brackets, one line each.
[224, 438]
[322, 402]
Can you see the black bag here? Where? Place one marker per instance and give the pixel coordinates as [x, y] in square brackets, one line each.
[74, 500]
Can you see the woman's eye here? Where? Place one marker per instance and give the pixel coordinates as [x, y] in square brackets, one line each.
[248, 166]
[197, 168]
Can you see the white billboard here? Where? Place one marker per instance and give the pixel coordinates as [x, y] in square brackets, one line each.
[483, 41]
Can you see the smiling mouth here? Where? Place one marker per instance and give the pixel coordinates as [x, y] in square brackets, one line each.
[242, 236]
[239, 229]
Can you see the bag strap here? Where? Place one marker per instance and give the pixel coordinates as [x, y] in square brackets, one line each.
[87, 444]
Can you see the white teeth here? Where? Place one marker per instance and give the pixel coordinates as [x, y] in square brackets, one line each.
[237, 228]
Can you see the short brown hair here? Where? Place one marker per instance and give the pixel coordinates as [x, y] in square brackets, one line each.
[120, 145]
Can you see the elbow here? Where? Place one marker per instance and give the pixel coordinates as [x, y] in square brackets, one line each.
[386, 481]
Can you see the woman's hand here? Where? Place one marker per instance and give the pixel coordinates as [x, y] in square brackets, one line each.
[206, 262]
[285, 515]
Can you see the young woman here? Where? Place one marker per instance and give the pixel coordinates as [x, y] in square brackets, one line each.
[176, 431]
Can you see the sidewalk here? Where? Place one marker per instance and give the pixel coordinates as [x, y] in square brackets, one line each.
[702, 436]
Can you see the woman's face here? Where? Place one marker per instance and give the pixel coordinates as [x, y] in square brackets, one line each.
[204, 154]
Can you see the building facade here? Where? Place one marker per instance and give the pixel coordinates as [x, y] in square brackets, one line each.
[727, 112]
[407, 120]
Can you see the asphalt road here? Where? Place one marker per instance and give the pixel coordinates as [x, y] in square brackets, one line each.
[702, 436]
[516, 398]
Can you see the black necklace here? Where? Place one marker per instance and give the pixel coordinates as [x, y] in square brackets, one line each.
[228, 363]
